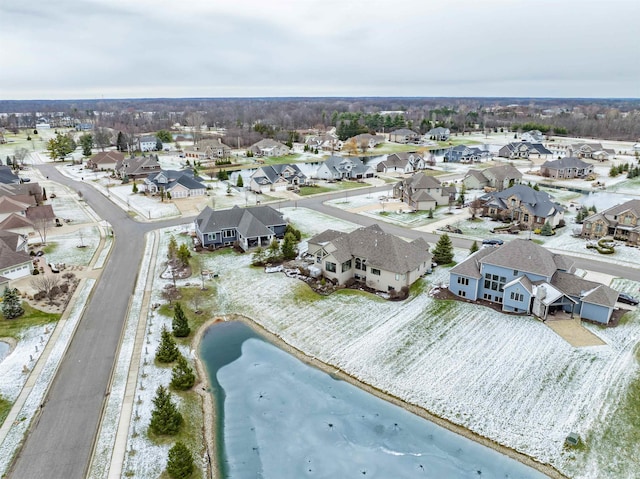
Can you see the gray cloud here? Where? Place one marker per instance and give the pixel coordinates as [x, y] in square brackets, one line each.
[118, 48]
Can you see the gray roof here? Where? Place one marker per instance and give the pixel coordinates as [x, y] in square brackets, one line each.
[566, 162]
[10, 257]
[381, 250]
[614, 211]
[176, 177]
[7, 175]
[325, 237]
[248, 221]
[272, 173]
[502, 172]
[341, 165]
[538, 202]
[404, 132]
[471, 266]
[533, 147]
[589, 291]
[527, 257]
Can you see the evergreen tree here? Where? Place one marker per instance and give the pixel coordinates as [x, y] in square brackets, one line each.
[474, 247]
[184, 254]
[258, 257]
[182, 376]
[11, 304]
[173, 248]
[44, 194]
[536, 187]
[546, 230]
[135, 187]
[430, 213]
[295, 232]
[240, 182]
[167, 351]
[86, 142]
[443, 251]
[180, 325]
[165, 417]
[289, 247]
[273, 251]
[121, 142]
[179, 462]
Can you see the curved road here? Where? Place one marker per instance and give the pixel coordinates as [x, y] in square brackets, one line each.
[60, 442]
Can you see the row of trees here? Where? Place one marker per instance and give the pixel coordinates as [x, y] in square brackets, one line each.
[276, 251]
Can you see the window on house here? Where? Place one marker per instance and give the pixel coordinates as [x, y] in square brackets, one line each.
[361, 264]
[211, 236]
[515, 272]
[463, 281]
[375, 271]
[462, 293]
[346, 266]
[329, 266]
[228, 233]
[525, 218]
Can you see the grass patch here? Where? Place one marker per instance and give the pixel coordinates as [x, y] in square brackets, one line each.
[5, 407]
[304, 294]
[12, 328]
[280, 160]
[313, 190]
[357, 292]
[388, 148]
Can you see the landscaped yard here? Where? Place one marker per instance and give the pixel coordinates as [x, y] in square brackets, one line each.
[509, 378]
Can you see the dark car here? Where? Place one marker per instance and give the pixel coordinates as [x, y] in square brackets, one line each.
[627, 299]
[492, 242]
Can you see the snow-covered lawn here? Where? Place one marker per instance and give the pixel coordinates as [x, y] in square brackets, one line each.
[509, 378]
[65, 248]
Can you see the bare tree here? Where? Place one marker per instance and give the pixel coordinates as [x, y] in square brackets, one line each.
[48, 284]
[18, 157]
[41, 226]
[475, 207]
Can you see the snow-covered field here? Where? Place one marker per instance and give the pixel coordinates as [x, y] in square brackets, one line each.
[509, 378]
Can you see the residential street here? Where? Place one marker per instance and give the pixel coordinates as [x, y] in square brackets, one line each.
[60, 443]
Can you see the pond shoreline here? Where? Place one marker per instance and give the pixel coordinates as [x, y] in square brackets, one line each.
[210, 412]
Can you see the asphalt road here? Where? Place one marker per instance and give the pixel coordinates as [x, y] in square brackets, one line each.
[60, 443]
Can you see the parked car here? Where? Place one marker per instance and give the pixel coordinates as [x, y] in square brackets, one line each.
[628, 299]
[492, 242]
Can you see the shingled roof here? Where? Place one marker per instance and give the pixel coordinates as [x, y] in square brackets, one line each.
[527, 256]
[249, 222]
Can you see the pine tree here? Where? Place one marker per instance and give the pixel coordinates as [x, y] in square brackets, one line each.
[165, 417]
[11, 304]
[546, 230]
[289, 247]
[474, 247]
[240, 182]
[443, 251]
[135, 187]
[182, 376]
[173, 248]
[167, 351]
[179, 462]
[184, 254]
[180, 325]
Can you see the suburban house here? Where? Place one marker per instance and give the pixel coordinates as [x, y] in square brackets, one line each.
[523, 150]
[138, 167]
[380, 260]
[404, 162]
[7, 176]
[422, 192]
[567, 167]
[147, 143]
[105, 160]
[404, 136]
[84, 126]
[14, 260]
[439, 133]
[532, 136]
[10, 205]
[268, 147]
[326, 142]
[592, 150]
[341, 168]
[524, 205]
[180, 184]
[465, 154]
[526, 278]
[496, 177]
[365, 141]
[621, 222]
[276, 178]
[29, 193]
[246, 227]
[208, 150]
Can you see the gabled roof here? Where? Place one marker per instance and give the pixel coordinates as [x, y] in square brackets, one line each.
[470, 267]
[404, 132]
[589, 291]
[107, 157]
[269, 174]
[502, 172]
[632, 205]
[538, 202]
[422, 181]
[14, 221]
[210, 221]
[340, 164]
[525, 256]
[12, 240]
[381, 250]
[10, 205]
[42, 212]
[9, 257]
[523, 280]
[7, 176]
[566, 162]
[533, 147]
[325, 237]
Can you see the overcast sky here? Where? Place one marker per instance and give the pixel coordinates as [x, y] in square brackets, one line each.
[62, 49]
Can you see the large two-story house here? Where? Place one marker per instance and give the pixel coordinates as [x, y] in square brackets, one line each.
[404, 136]
[496, 177]
[524, 150]
[208, 150]
[439, 133]
[380, 260]
[105, 160]
[423, 192]
[592, 150]
[465, 154]
[526, 278]
[138, 167]
[269, 148]
[567, 167]
[342, 168]
[524, 205]
[621, 222]
[276, 178]
[247, 227]
[403, 162]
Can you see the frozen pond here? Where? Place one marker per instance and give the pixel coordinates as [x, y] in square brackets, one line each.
[4, 350]
[284, 419]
